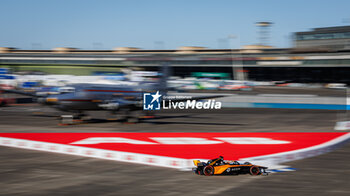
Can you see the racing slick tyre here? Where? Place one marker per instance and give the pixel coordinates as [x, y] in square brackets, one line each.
[208, 170]
[254, 170]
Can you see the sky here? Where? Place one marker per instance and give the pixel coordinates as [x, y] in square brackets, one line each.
[160, 24]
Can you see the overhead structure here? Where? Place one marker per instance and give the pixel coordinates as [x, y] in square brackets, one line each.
[264, 32]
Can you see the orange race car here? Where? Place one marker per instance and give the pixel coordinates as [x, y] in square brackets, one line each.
[220, 167]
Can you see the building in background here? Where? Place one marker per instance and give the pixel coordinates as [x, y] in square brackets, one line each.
[260, 64]
[319, 56]
[334, 38]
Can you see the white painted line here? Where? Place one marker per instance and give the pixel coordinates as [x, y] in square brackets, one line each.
[279, 63]
[301, 153]
[342, 126]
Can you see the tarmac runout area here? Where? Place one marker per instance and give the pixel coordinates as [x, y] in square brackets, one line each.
[28, 172]
[35, 118]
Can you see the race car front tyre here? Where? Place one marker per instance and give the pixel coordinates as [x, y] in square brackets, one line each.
[254, 171]
[208, 170]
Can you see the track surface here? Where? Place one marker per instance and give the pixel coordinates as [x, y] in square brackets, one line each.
[26, 172]
[283, 90]
[35, 118]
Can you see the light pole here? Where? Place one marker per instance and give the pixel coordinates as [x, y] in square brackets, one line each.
[237, 69]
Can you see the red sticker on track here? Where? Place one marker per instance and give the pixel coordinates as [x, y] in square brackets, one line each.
[233, 146]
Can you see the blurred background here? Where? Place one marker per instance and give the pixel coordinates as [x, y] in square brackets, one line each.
[210, 46]
[276, 66]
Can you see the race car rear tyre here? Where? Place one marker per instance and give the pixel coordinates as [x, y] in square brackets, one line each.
[208, 170]
[254, 171]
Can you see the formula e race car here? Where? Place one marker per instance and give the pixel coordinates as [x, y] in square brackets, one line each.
[220, 167]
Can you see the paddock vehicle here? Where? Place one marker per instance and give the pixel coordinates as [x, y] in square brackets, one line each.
[220, 167]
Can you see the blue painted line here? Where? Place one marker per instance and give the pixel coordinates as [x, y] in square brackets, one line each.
[281, 170]
[301, 106]
[287, 106]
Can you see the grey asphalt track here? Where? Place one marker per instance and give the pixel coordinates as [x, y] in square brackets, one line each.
[27, 172]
